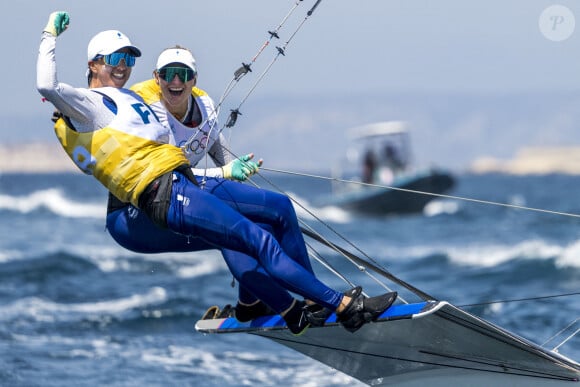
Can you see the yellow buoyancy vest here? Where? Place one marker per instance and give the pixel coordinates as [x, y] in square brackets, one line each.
[126, 155]
[151, 92]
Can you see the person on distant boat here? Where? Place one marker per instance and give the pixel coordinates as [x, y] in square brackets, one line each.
[393, 159]
[112, 134]
[369, 167]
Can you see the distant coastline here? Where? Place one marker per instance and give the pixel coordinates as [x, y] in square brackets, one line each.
[42, 157]
[48, 157]
[533, 161]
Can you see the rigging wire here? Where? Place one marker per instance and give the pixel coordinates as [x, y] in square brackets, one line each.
[324, 262]
[560, 332]
[362, 267]
[555, 349]
[335, 179]
[281, 51]
[568, 338]
[239, 74]
[519, 299]
[246, 68]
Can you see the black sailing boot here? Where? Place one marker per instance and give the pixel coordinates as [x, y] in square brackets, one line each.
[296, 318]
[361, 310]
[317, 314]
[245, 313]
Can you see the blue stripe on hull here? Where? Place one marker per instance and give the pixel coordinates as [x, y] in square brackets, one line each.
[269, 322]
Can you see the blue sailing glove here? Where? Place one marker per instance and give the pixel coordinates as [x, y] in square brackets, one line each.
[241, 168]
[57, 22]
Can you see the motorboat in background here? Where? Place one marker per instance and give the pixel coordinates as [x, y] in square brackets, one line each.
[379, 159]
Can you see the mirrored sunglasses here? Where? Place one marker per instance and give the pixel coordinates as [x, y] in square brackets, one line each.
[115, 58]
[184, 73]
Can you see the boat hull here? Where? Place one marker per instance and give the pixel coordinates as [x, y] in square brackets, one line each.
[396, 200]
[430, 343]
[445, 347]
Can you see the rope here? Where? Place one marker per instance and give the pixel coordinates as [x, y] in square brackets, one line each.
[281, 51]
[247, 67]
[559, 333]
[568, 338]
[334, 179]
[520, 299]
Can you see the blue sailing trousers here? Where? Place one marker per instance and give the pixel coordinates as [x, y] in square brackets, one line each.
[256, 230]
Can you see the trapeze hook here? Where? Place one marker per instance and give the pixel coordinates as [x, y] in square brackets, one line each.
[233, 118]
[242, 71]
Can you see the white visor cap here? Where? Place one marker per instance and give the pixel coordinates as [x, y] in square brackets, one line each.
[176, 55]
[107, 42]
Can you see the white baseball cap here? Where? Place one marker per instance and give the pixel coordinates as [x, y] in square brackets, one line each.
[107, 42]
[176, 55]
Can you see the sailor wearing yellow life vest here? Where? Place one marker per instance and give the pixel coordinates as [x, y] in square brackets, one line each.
[106, 121]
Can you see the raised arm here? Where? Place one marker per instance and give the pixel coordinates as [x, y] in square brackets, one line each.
[70, 101]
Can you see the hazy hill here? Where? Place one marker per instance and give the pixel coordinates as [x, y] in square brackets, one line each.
[450, 130]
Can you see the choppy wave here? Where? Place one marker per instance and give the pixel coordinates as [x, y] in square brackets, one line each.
[489, 255]
[11, 255]
[113, 258]
[194, 360]
[305, 210]
[235, 367]
[185, 265]
[41, 309]
[437, 207]
[494, 255]
[54, 200]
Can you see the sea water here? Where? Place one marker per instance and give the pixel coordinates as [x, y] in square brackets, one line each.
[79, 310]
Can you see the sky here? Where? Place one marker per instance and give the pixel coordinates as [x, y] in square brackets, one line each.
[343, 48]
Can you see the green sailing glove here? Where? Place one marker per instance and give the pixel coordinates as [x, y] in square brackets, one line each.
[241, 168]
[57, 22]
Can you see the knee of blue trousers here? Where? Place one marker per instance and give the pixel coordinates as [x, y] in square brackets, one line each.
[287, 230]
[282, 205]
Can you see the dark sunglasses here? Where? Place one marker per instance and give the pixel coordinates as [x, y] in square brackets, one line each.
[184, 73]
[115, 58]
